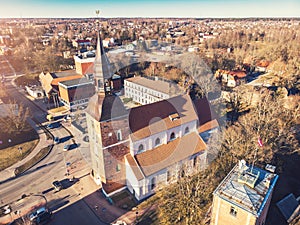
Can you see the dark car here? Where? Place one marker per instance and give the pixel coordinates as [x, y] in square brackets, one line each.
[42, 218]
[56, 140]
[50, 126]
[57, 185]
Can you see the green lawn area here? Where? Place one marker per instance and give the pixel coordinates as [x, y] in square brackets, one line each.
[11, 155]
[16, 146]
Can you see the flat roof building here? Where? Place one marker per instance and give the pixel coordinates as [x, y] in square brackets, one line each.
[244, 196]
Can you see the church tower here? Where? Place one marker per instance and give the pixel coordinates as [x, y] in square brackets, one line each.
[107, 123]
[102, 69]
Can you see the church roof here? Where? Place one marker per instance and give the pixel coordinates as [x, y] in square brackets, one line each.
[154, 118]
[102, 67]
[166, 155]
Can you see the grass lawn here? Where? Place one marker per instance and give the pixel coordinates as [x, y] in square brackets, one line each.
[11, 155]
[10, 144]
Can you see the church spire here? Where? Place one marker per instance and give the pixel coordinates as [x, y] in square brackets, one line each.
[102, 68]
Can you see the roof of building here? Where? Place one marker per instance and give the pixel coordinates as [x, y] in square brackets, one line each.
[204, 111]
[241, 194]
[154, 118]
[55, 81]
[134, 166]
[102, 66]
[65, 73]
[157, 85]
[288, 206]
[76, 82]
[102, 107]
[163, 156]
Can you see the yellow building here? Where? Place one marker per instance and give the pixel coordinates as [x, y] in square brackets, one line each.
[243, 197]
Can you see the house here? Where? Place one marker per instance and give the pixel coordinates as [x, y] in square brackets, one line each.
[146, 147]
[80, 43]
[244, 196]
[84, 62]
[262, 66]
[193, 49]
[108, 42]
[231, 78]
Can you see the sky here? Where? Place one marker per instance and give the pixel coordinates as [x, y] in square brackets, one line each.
[148, 8]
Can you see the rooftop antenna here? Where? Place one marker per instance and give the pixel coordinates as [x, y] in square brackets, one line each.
[254, 159]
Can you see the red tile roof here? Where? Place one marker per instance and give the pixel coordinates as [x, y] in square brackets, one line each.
[153, 118]
[163, 156]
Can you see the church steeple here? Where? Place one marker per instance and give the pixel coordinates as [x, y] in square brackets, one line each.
[102, 69]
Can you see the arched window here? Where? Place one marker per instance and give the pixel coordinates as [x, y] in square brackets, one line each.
[172, 136]
[153, 183]
[141, 148]
[157, 142]
[187, 130]
[119, 135]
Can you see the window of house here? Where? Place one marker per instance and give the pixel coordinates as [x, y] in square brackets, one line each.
[157, 141]
[119, 135]
[118, 167]
[187, 130]
[153, 184]
[141, 148]
[233, 211]
[172, 137]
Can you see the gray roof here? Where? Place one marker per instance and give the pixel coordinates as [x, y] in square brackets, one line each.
[288, 206]
[242, 195]
[102, 67]
[76, 82]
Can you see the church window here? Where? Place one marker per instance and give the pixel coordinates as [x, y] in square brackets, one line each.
[157, 141]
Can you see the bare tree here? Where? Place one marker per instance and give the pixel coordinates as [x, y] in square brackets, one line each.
[15, 121]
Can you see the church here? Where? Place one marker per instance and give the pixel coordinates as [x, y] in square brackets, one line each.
[146, 147]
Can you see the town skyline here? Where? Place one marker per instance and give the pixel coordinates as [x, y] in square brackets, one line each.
[149, 9]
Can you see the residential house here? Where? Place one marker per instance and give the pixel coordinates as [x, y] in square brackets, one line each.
[231, 78]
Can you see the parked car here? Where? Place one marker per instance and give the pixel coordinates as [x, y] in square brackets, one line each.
[56, 140]
[37, 213]
[50, 126]
[66, 148]
[42, 219]
[57, 185]
[67, 118]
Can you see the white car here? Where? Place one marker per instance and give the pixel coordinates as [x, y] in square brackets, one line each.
[66, 148]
